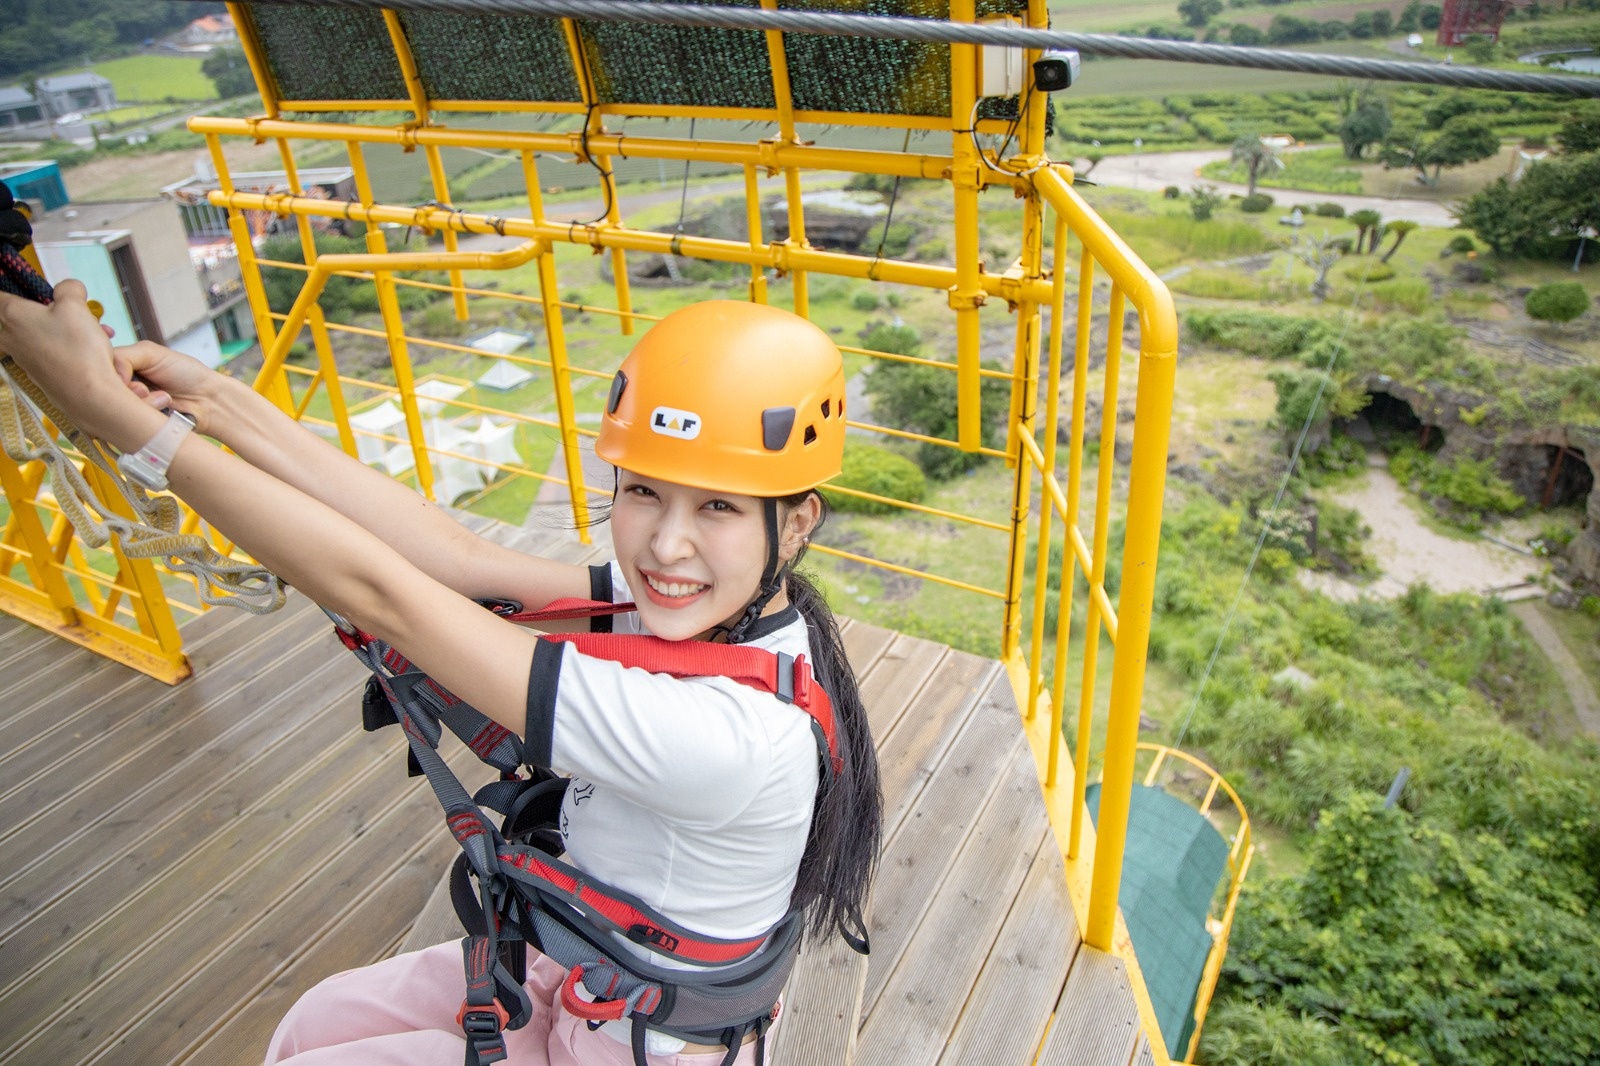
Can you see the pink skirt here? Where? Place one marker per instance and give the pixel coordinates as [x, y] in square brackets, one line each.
[402, 1012]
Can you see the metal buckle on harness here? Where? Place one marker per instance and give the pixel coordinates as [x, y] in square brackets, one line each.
[482, 1021]
[786, 677]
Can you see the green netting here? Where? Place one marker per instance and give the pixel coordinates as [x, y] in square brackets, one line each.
[1173, 862]
[491, 57]
[320, 53]
[328, 53]
[634, 63]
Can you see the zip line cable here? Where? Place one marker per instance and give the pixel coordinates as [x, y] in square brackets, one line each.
[939, 31]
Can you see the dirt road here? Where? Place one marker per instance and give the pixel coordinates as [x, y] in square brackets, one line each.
[1408, 551]
[1156, 170]
[1585, 704]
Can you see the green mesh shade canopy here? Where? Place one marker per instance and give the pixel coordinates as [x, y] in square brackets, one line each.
[337, 53]
[1173, 863]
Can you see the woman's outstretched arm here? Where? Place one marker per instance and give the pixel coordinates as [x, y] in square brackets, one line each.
[313, 546]
[421, 531]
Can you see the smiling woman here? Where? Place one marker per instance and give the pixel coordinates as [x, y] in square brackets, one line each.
[665, 931]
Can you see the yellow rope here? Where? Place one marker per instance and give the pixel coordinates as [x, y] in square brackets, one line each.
[153, 534]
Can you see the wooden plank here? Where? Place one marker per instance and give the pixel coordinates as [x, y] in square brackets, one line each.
[1009, 1008]
[1096, 1022]
[232, 775]
[897, 676]
[346, 944]
[918, 856]
[911, 1019]
[821, 1005]
[298, 923]
[331, 829]
[863, 643]
[1142, 1055]
[908, 755]
[115, 694]
[132, 760]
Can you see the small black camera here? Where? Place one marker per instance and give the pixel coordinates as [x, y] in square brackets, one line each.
[1057, 69]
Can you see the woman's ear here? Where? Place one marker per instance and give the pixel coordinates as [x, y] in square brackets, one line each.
[798, 524]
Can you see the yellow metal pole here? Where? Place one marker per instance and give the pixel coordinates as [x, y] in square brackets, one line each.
[253, 54]
[560, 370]
[329, 368]
[408, 67]
[441, 193]
[1052, 421]
[965, 180]
[1091, 631]
[394, 328]
[765, 154]
[277, 390]
[59, 604]
[594, 130]
[752, 219]
[797, 239]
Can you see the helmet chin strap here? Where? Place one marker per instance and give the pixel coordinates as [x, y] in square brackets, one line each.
[771, 576]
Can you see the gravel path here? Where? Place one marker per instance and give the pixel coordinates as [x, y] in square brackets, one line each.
[1585, 704]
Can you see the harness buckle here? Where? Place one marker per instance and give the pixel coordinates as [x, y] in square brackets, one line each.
[786, 677]
[649, 934]
[487, 1020]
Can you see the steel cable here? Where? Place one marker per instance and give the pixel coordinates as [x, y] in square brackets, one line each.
[938, 31]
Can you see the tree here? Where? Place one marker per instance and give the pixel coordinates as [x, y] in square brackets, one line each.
[1461, 140]
[1197, 13]
[1560, 301]
[1366, 120]
[1431, 16]
[1242, 33]
[1580, 130]
[1382, 23]
[1255, 155]
[1364, 220]
[1541, 215]
[1320, 254]
[922, 399]
[229, 71]
[1410, 18]
[1399, 227]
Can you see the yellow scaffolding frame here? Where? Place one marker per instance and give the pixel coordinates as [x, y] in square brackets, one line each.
[1055, 220]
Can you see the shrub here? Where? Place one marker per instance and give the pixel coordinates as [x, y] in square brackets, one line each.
[1369, 272]
[1255, 203]
[1172, 192]
[1461, 245]
[1203, 200]
[1476, 272]
[1329, 210]
[865, 301]
[1560, 301]
[869, 468]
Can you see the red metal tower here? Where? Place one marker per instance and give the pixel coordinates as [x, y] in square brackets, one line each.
[1462, 19]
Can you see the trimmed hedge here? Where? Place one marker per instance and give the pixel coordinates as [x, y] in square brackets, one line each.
[869, 468]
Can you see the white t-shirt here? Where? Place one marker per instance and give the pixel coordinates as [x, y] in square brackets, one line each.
[692, 794]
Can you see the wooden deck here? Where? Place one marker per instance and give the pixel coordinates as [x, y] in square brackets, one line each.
[178, 864]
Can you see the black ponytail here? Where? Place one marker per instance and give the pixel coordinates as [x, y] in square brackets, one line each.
[847, 822]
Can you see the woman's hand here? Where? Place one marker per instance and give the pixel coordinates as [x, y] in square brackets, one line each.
[64, 350]
[164, 378]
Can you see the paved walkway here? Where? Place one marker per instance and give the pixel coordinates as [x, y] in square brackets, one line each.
[1157, 170]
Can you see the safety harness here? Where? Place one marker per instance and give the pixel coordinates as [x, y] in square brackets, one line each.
[526, 895]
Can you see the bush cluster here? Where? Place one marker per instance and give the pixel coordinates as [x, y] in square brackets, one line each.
[1255, 203]
[869, 468]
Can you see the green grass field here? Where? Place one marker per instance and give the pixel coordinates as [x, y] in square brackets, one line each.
[145, 77]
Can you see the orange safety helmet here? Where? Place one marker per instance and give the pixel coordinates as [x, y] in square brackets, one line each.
[733, 396]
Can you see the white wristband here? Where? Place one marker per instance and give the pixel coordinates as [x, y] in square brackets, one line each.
[148, 465]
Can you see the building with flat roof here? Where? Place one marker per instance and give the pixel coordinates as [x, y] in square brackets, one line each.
[71, 93]
[18, 108]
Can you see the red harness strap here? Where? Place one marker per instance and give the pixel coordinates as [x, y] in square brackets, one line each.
[787, 678]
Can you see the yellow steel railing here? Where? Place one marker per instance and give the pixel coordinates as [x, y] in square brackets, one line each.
[1072, 272]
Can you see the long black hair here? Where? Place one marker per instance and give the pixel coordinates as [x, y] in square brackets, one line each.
[847, 822]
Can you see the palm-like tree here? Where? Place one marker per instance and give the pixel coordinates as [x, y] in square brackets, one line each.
[1365, 220]
[1256, 156]
[1399, 227]
[1320, 254]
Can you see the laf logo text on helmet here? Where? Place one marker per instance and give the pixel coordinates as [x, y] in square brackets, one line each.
[671, 422]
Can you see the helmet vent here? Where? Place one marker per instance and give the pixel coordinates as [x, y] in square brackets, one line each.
[618, 384]
[776, 425]
[841, 407]
[826, 407]
[811, 435]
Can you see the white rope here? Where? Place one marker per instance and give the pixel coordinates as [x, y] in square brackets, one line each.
[152, 533]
